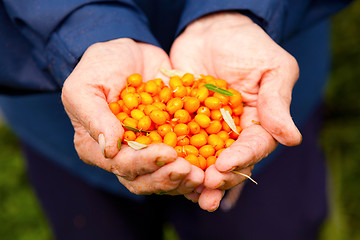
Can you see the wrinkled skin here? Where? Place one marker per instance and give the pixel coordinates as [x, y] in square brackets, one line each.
[96, 81]
[230, 46]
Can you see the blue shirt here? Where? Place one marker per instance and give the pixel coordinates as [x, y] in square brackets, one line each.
[41, 41]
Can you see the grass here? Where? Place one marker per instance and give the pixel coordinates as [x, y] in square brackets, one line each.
[22, 218]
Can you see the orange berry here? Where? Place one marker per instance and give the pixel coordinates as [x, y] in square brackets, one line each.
[228, 142]
[191, 104]
[194, 127]
[175, 82]
[236, 99]
[204, 110]
[198, 140]
[216, 115]
[189, 149]
[129, 136]
[181, 129]
[149, 108]
[203, 132]
[164, 129]
[218, 152]
[134, 80]
[221, 83]
[170, 139]
[125, 109]
[137, 114]
[146, 98]
[180, 151]
[131, 100]
[238, 110]
[202, 93]
[159, 105]
[151, 87]
[223, 135]
[183, 140]
[202, 120]
[165, 94]
[115, 107]
[141, 88]
[173, 105]
[210, 161]
[182, 116]
[192, 159]
[215, 141]
[225, 126]
[131, 122]
[215, 127]
[224, 100]
[233, 134]
[207, 151]
[159, 82]
[155, 137]
[144, 123]
[158, 117]
[143, 140]
[156, 98]
[180, 91]
[236, 120]
[202, 162]
[188, 79]
[121, 116]
[127, 90]
[212, 103]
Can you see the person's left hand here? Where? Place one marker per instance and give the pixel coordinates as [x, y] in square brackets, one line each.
[230, 46]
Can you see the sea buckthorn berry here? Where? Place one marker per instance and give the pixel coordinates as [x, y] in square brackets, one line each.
[188, 79]
[156, 98]
[236, 120]
[146, 98]
[191, 104]
[155, 137]
[180, 92]
[192, 159]
[212, 103]
[144, 123]
[210, 161]
[202, 93]
[129, 136]
[167, 116]
[159, 82]
[207, 151]
[181, 129]
[121, 103]
[170, 139]
[238, 110]
[236, 99]
[221, 83]
[218, 152]
[223, 135]
[188, 90]
[164, 129]
[121, 116]
[224, 100]
[134, 80]
[141, 88]
[202, 120]
[175, 82]
[141, 107]
[209, 79]
[151, 87]
[173, 105]
[193, 92]
[127, 90]
[180, 151]
[160, 105]
[158, 117]
[125, 109]
[215, 141]
[198, 140]
[203, 132]
[131, 122]
[137, 114]
[194, 127]
[182, 116]
[165, 94]
[115, 107]
[131, 100]
[215, 127]
[228, 142]
[216, 115]
[143, 140]
[183, 140]
[189, 149]
[149, 108]
[204, 110]
[233, 134]
[202, 162]
[225, 126]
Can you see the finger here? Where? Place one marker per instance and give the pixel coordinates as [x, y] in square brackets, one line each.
[223, 181]
[165, 179]
[128, 163]
[231, 197]
[253, 144]
[274, 104]
[191, 182]
[193, 196]
[209, 199]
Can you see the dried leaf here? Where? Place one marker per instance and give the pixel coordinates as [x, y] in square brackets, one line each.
[176, 72]
[136, 145]
[243, 174]
[218, 90]
[228, 119]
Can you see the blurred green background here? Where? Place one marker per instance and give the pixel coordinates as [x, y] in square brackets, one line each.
[22, 218]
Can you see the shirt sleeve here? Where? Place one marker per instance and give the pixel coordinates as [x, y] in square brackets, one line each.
[279, 18]
[60, 31]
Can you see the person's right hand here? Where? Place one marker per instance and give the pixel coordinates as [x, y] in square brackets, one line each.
[95, 82]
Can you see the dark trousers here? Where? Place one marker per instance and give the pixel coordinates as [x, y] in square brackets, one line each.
[289, 203]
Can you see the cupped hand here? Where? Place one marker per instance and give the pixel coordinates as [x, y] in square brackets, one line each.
[230, 46]
[95, 82]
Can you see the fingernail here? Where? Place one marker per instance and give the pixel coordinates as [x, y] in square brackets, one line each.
[174, 176]
[199, 189]
[101, 140]
[221, 184]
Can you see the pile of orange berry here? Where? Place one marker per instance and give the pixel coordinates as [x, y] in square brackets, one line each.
[185, 115]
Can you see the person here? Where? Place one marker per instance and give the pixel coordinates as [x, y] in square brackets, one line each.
[76, 55]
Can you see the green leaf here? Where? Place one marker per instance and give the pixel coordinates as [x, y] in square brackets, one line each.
[134, 129]
[218, 90]
[119, 144]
